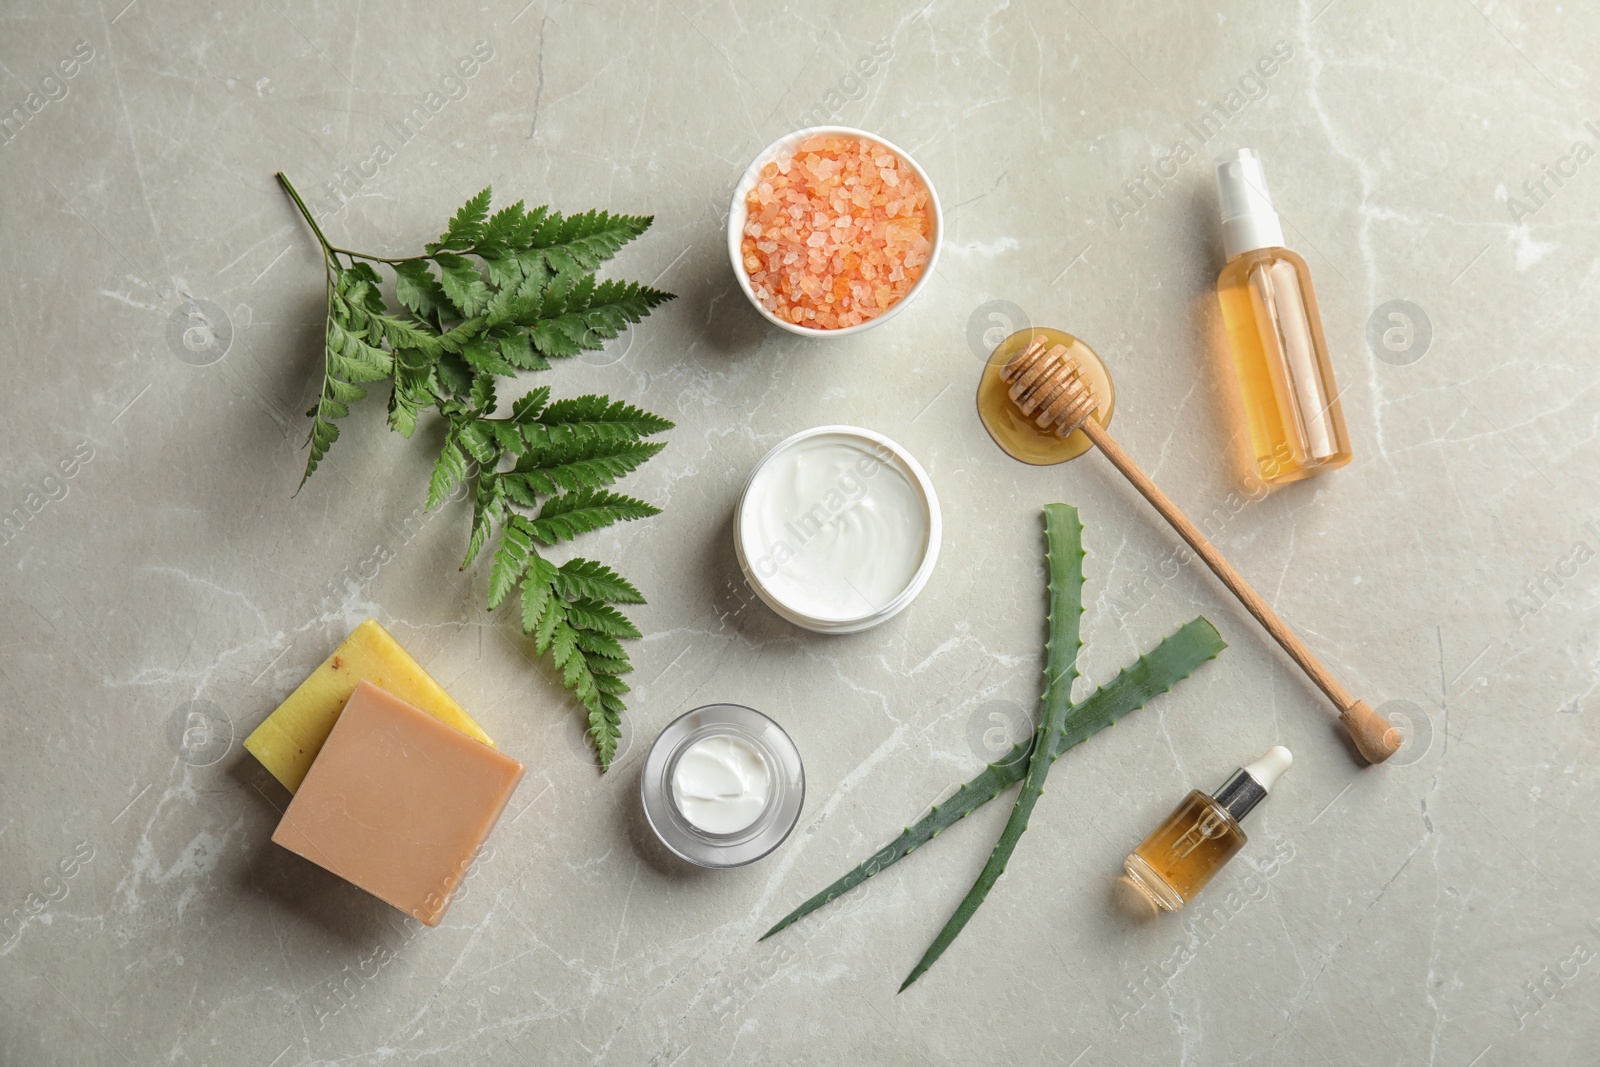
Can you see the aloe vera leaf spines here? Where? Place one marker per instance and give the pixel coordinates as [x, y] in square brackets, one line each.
[989, 783]
[1176, 657]
[1064, 555]
[1064, 562]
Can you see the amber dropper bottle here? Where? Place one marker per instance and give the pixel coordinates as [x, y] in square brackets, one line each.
[1291, 403]
[1202, 834]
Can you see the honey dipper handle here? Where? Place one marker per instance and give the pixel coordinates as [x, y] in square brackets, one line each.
[1374, 737]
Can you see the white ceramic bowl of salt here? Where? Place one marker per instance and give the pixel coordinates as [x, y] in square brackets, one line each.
[739, 215]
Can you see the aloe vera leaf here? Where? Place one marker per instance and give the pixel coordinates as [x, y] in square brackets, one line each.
[1157, 671]
[1064, 552]
[1177, 656]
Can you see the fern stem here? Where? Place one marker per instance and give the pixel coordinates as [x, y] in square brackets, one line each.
[288, 187]
[380, 259]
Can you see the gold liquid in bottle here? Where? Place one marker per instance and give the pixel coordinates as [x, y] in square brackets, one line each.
[1020, 436]
[1201, 835]
[1280, 356]
[1180, 857]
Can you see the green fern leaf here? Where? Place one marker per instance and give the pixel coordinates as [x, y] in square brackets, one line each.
[519, 492]
[529, 406]
[477, 441]
[585, 578]
[410, 393]
[351, 357]
[507, 437]
[502, 232]
[606, 666]
[586, 614]
[453, 374]
[597, 409]
[505, 273]
[462, 283]
[564, 647]
[601, 644]
[551, 342]
[323, 434]
[536, 594]
[420, 292]
[609, 683]
[510, 559]
[403, 409]
[605, 726]
[402, 334]
[562, 468]
[582, 242]
[532, 224]
[587, 420]
[359, 285]
[589, 315]
[566, 516]
[346, 360]
[448, 471]
[575, 673]
[467, 225]
[453, 339]
[481, 353]
[344, 392]
[549, 621]
[482, 394]
[488, 508]
[516, 348]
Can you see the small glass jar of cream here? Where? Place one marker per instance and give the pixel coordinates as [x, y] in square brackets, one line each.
[837, 529]
[722, 786]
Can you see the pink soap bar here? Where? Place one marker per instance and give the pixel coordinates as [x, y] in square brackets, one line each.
[398, 803]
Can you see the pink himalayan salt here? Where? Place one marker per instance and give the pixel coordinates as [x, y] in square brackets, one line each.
[838, 231]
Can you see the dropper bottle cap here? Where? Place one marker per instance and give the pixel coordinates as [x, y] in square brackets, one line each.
[1249, 221]
[1248, 786]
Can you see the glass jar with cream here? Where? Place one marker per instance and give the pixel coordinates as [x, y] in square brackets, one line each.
[837, 529]
[722, 786]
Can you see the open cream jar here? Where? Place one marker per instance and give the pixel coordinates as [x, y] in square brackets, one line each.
[837, 529]
[722, 786]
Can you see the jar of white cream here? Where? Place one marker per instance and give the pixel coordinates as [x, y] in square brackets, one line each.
[837, 529]
[722, 785]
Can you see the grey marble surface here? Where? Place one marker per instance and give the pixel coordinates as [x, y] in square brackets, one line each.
[1438, 910]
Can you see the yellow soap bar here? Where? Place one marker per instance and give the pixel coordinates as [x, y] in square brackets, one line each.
[290, 738]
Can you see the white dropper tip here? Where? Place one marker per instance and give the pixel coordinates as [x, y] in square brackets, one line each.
[1268, 768]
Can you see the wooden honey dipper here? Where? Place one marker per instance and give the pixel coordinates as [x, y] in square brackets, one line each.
[1047, 386]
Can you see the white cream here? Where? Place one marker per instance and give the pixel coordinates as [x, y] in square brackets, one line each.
[721, 784]
[834, 527]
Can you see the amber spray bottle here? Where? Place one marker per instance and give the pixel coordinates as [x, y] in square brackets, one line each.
[1291, 404]
[1202, 834]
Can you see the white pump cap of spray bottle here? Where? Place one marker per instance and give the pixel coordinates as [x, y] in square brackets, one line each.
[1249, 220]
